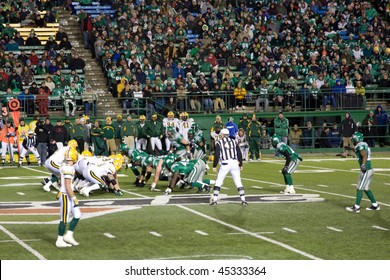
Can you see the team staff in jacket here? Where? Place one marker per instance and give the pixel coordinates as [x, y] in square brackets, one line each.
[348, 128]
[59, 135]
[128, 132]
[118, 127]
[254, 134]
[42, 131]
[281, 125]
[155, 132]
[109, 136]
[77, 133]
[141, 134]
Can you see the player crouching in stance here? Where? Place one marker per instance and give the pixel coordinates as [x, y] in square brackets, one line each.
[68, 201]
[363, 154]
[192, 173]
[53, 164]
[102, 175]
[292, 161]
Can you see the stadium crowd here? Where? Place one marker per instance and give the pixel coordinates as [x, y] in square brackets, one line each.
[212, 56]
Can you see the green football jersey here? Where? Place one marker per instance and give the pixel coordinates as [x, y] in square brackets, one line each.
[176, 141]
[183, 167]
[361, 146]
[283, 147]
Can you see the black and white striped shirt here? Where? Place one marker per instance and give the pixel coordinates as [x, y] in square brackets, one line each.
[30, 142]
[226, 149]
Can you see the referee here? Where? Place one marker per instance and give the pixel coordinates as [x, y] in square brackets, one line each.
[228, 153]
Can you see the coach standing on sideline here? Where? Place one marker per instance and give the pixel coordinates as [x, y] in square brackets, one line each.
[228, 153]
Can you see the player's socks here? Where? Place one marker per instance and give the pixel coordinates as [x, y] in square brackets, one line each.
[370, 195]
[216, 193]
[359, 196]
[241, 192]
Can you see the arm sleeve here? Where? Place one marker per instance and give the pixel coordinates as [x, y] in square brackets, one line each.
[288, 157]
[216, 154]
[239, 155]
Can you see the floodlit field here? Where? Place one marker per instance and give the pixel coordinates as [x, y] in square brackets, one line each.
[313, 224]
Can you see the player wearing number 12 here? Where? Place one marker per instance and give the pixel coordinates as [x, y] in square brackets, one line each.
[363, 154]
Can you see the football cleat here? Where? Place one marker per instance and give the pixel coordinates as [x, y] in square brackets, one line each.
[84, 192]
[374, 208]
[213, 203]
[168, 191]
[142, 184]
[60, 243]
[68, 238]
[46, 188]
[244, 203]
[136, 181]
[19, 165]
[353, 209]
[44, 181]
[207, 188]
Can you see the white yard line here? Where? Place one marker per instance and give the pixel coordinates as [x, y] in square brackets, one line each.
[323, 186]
[109, 235]
[26, 240]
[21, 243]
[258, 236]
[381, 228]
[257, 187]
[263, 232]
[155, 233]
[201, 232]
[39, 171]
[335, 229]
[290, 230]
[135, 194]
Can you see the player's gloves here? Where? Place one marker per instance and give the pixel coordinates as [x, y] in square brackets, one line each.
[76, 201]
[363, 168]
[284, 170]
[58, 195]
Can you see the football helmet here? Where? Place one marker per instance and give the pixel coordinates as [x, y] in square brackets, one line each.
[171, 130]
[73, 144]
[195, 127]
[357, 137]
[86, 153]
[275, 140]
[117, 164]
[124, 148]
[170, 114]
[71, 155]
[190, 134]
[142, 118]
[119, 157]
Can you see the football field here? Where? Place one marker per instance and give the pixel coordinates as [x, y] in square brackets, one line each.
[143, 225]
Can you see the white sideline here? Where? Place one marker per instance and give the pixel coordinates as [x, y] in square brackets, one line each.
[21, 243]
[258, 236]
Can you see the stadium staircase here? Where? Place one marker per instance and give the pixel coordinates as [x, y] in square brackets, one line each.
[107, 105]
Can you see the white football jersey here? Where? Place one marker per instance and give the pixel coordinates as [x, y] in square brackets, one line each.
[59, 156]
[67, 172]
[184, 126]
[170, 122]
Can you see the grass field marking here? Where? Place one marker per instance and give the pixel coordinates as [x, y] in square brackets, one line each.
[323, 186]
[208, 257]
[201, 232]
[339, 170]
[135, 194]
[39, 171]
[20, 193]
[224, 188]
[354, 185]
[381, 228]
[22, 178]
[310, 190]
[290, 230]
[109, 235]
[26, 240]
[160, 200]
[258, 236]
[20, 185]
[335, 229]
[387, 184]
[262, 232]
[155, 233]
[314, 171]
[257, 187]
[21, 243]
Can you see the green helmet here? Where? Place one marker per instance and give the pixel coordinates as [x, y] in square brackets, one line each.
[194, 127]
[124, 148]
[357, 137]
[190, 133]
[275, 140]
[171, 129]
